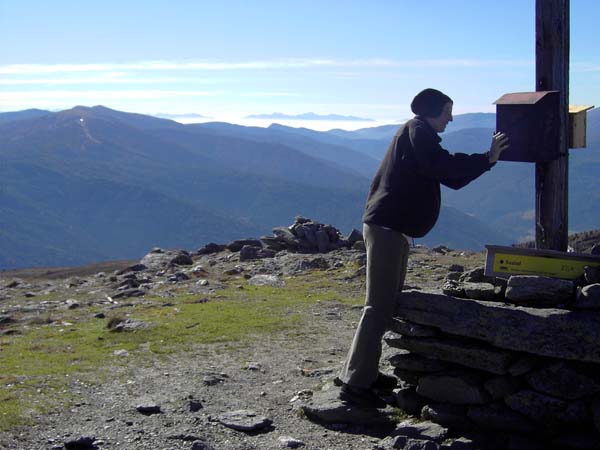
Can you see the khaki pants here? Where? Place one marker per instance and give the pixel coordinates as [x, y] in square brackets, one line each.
[387, 257]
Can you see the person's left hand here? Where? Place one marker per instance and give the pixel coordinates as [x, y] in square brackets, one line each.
[499, 144]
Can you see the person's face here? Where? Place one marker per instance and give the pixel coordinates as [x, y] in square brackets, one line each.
[439, 123]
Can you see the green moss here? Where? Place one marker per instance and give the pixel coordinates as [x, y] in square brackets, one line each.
[42, 361]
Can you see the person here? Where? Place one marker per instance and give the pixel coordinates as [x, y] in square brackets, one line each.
[403, 202]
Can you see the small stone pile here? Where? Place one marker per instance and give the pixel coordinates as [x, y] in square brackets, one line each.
[507, 360]
[303, 236]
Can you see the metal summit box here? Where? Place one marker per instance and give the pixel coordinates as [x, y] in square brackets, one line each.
[531, 121]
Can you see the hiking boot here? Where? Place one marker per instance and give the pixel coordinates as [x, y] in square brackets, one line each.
[385, 382]
[362, 397]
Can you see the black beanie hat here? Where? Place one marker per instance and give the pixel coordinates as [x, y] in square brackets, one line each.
[429, 103]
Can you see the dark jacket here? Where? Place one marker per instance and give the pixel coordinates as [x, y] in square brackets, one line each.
[405, 193]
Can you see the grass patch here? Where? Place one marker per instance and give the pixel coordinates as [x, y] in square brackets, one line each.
[38, 367]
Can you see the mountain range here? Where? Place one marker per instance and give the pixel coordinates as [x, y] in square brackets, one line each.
[92, 184]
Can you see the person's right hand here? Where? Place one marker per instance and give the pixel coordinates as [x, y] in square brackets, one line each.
[499, 144]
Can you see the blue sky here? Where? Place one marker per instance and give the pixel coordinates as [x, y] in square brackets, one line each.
[229, 59]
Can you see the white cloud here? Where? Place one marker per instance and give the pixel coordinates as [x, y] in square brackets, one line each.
[284, 64]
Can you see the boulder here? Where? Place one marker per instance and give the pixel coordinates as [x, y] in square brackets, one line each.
[354, 236]
[210, 248]
[531, 330]
[407, 328]
[182, 259]
[545, 409]
[451, 416]
[161, 259]
[236, 246]
[500, 417]
[458, 388]
[326, 406]
[481, 291]
[410, 361]
[567, 381]
[539, 291]
[463, 351]
[502, 386]
[249, 252]
[409, 401]
[425, 430]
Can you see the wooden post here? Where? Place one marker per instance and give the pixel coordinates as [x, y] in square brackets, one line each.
[552, 73]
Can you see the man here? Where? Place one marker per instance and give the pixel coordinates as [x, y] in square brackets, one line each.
[404, 202]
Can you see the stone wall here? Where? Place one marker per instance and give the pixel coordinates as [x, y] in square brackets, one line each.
[530, 374]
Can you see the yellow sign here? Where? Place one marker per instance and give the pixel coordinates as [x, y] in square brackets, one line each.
[539, 265]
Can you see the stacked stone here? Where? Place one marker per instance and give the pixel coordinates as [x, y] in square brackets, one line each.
[528, 375]
[303, 236]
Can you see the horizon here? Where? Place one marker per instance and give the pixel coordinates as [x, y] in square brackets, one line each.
[270, 57]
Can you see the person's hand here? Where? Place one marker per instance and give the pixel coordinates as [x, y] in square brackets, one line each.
[499, 144]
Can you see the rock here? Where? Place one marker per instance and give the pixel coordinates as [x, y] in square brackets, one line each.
[127, 325]
[474, 276]
[80, 443]
[407, 328]
[322, 241]
[458, 388]
[450, 416]
[480, 291]
[212, 380]
[532, 330]
[539, 291]
[462, 443]
[502, 386]
[148, 409]
[408, 377]
[277, 244]
[160, 259]
[520, 442]
[410, 361]
[579, 440]
[404, 443]
[210, 248]
[72, 303]
[236, 246]
[500, 417]
[360, 246]
[546, 410]
[325, 406]
[126, 293]
[194, 405]
[122, 352]
[290, 442]
[456, 268]
[134, 268]
[564, 380]
[453, 276]
[523, 365]
[453, 288]
[5, 318]
[595, 250]
[177, 277]
[421, 430]
[201, 445]
[266, 280]
[463, 351]
[285, 234]
[354, 236]
[588, 297]
[244, 420]
[442, 249]
[591, 274]
[596, 413]
[409, 401]
[249, 252]
[182, 259]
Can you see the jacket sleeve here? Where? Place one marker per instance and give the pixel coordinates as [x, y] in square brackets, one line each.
[453, 170]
